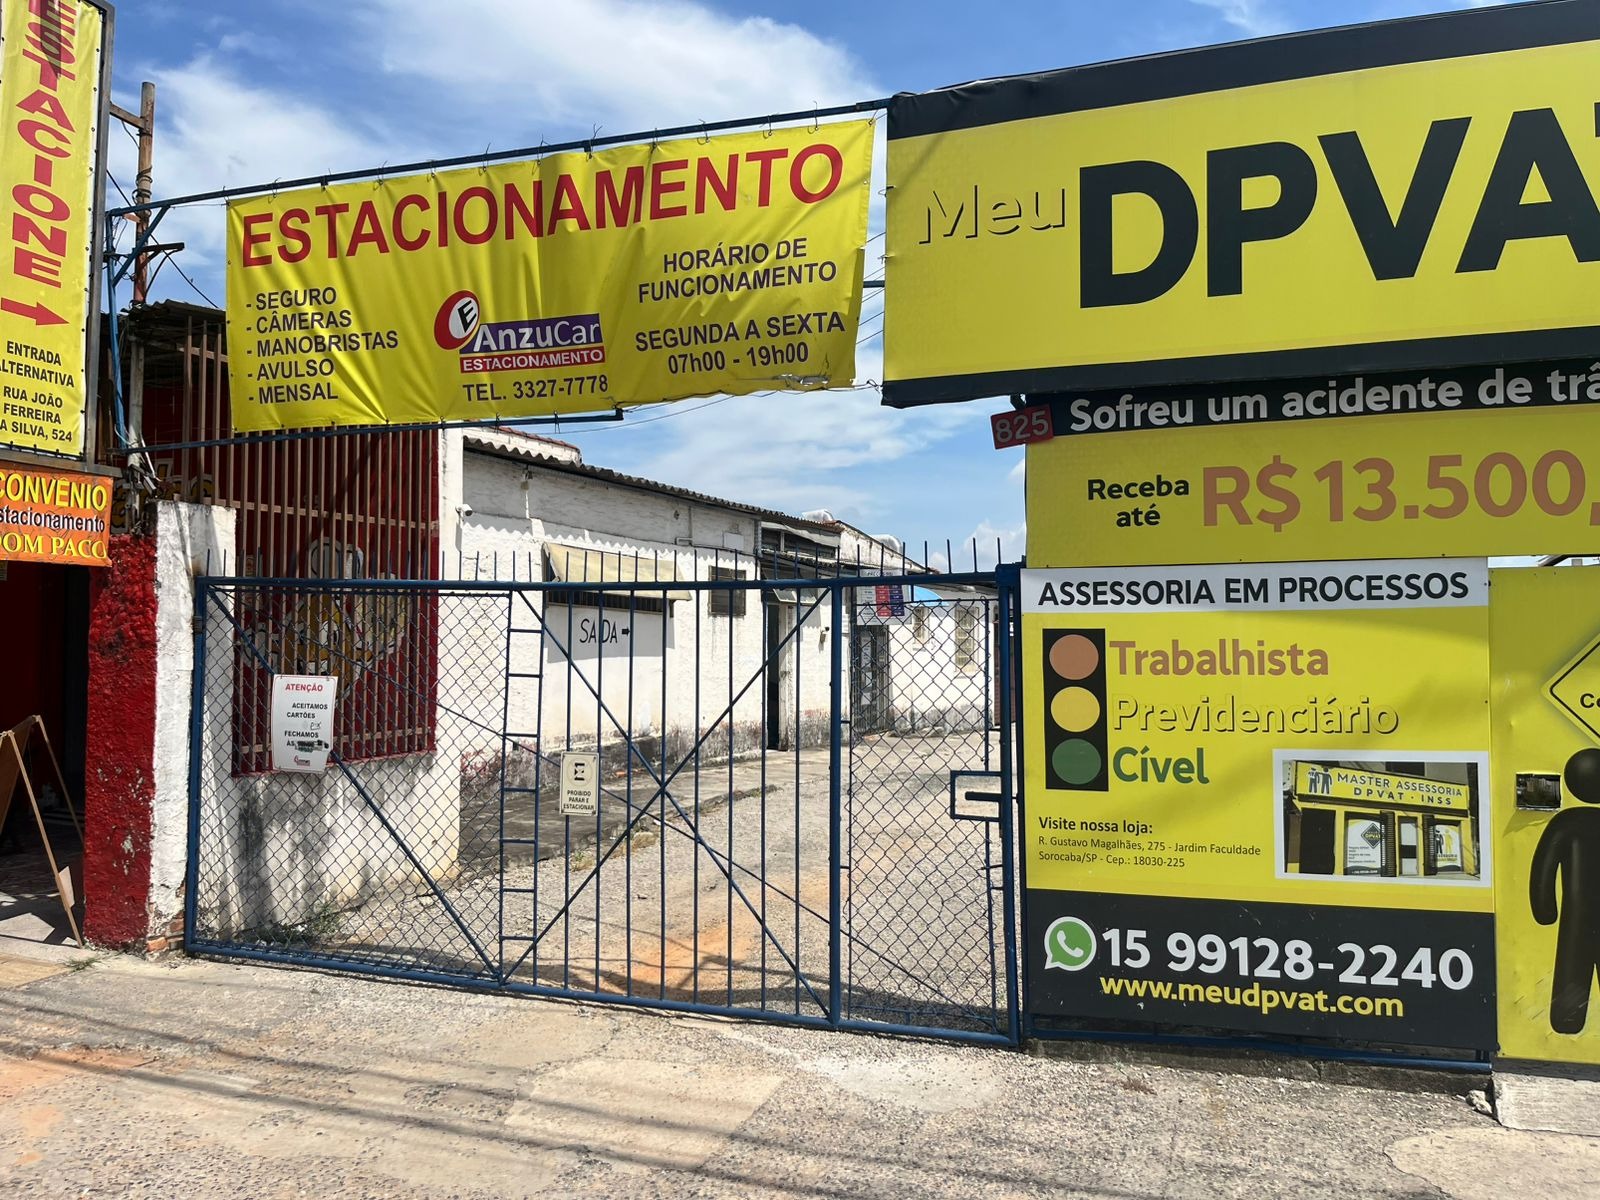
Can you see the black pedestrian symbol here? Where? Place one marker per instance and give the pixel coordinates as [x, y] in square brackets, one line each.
[1570, 846]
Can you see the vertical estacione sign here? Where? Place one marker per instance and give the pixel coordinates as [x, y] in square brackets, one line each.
[49, 117]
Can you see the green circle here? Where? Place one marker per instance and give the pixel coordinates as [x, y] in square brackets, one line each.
[1076, 761]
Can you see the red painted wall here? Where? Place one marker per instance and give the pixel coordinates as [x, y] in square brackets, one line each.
[119, 779]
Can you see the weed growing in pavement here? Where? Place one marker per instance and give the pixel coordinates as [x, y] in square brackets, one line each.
[319, 926]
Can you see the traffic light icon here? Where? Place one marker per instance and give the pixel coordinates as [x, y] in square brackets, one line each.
[1075, 709]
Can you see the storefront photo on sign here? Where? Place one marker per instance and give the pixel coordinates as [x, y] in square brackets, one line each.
[1405, 819]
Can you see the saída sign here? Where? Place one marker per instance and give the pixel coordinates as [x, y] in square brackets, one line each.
[1415, 193]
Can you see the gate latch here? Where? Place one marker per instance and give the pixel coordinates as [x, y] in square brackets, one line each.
[971, 800]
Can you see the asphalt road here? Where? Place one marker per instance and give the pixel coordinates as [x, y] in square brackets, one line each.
[135, 1079]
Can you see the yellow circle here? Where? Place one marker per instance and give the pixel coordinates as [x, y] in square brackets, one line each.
[1075, 709]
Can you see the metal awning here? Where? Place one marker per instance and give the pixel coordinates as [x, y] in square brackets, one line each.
[578, 565]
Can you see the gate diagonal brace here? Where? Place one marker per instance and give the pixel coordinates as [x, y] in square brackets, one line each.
[856, 943]
[687, 830]
[662, 792]
[383, 819]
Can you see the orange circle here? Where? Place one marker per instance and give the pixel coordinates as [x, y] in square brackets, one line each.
[1074, 657]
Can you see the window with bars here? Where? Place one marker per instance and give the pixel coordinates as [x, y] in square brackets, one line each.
[966, 637]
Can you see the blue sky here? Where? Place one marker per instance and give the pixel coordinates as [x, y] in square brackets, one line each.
[253, 91]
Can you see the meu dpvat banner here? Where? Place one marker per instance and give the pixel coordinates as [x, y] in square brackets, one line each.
[49, 126]
[1257, 797]
[1381, 197]
[575, 283]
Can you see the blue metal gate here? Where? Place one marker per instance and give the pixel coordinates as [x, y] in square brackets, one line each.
[799, 809]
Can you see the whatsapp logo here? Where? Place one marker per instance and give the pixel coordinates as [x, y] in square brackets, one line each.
[1069, 944]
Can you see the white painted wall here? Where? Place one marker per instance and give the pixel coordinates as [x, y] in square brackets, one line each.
[517, 508]
[943, 679]
[190, 538]
[939, 675]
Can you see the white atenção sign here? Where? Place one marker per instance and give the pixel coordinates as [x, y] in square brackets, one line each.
[302, 721]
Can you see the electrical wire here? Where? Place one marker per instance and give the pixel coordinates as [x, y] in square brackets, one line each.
[118, 227]
[673, 411]
[118, 186]
[193, 286]
[166, 258]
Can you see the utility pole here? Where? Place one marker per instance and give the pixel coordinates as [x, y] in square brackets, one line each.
[145, 126]
[142, 181]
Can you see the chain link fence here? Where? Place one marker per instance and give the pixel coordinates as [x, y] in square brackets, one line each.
[772, 832]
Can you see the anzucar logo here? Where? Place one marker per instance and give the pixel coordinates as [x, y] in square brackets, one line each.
[457, 321]
[531, 344]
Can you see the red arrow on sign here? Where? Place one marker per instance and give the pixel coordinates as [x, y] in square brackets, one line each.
[40, 314]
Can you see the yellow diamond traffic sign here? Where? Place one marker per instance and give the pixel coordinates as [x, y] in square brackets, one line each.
[1576, 689]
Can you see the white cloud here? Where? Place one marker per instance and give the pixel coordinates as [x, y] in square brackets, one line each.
[991, 540]
[214, 129]
[1257, 18]
[790, 451]
[623, 64]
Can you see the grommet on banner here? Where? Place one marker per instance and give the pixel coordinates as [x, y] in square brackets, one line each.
[483, 167]
[769, 126]
[378, 182]
[705, 134]
[816, 116]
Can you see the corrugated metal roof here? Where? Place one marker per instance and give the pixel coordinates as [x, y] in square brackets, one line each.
[531, 456]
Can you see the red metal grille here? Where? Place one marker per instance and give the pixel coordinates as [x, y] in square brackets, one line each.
[356, 506]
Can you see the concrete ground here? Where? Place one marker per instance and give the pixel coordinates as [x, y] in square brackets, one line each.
[121, 1077]
[31, 914]
[721, 895]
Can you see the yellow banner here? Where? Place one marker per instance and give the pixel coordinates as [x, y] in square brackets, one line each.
[1201, 216]
[1543, 631]
[1487, 482]
[49, 120]
[1171, 714]
[576, 283]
